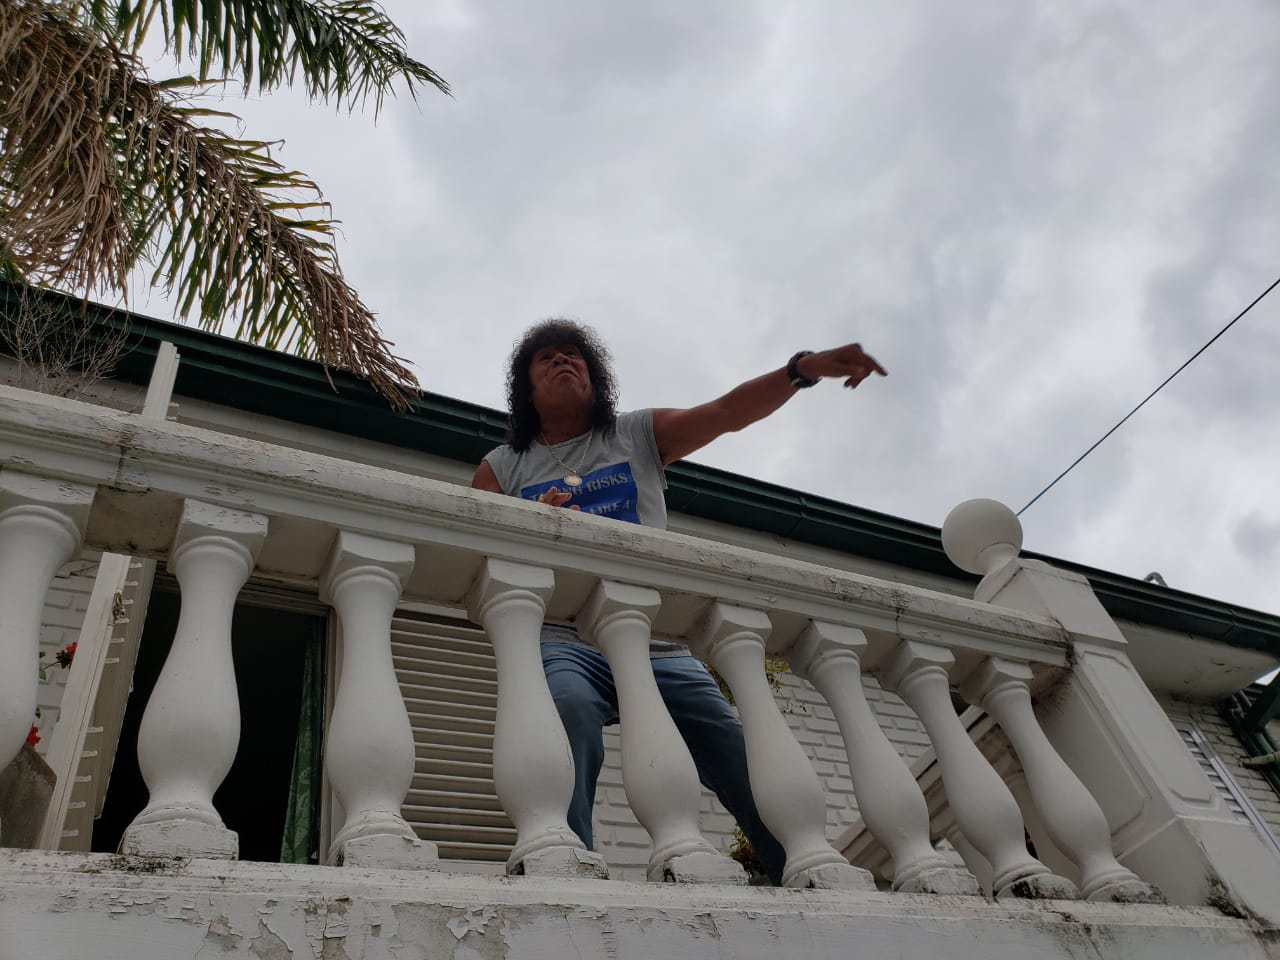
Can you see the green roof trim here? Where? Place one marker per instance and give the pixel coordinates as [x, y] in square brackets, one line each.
[222, 370]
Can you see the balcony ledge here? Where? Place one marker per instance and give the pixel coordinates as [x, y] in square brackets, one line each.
[61, 904]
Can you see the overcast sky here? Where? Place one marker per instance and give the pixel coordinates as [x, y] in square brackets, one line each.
[1029, 212]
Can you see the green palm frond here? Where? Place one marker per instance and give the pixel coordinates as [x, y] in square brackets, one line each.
[101, 169]
[343, 50]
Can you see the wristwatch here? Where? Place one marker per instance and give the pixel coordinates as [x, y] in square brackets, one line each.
[793, 371]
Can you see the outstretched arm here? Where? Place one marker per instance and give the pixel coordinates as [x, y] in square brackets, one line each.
[681, 432]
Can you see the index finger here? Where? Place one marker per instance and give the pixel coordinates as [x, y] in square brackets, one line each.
[868, 358]
[871, 360]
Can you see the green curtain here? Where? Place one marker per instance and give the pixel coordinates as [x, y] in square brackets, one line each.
[301, 841]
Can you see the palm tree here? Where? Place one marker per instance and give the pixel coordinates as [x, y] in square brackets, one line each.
[103, 168]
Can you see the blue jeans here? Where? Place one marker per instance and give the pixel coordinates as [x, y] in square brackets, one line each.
[582, 686]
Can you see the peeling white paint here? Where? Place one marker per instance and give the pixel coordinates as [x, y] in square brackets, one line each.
[475, 919]
[276, 912]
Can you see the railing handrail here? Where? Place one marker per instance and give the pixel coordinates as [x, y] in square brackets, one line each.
[135, 460]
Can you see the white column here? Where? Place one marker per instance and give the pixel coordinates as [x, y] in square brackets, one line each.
[369, 751]
[983, 806]
[41, 525]
[786, 789]
[532, 765]
[191, 727]
[829, 656]
[1071, 816]
[658, 772]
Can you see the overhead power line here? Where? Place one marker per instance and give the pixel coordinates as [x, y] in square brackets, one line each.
[1121, 423]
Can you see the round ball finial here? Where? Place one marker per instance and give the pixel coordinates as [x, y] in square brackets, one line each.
[980, 536]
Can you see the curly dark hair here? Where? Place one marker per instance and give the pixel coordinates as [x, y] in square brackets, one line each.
[524, 424]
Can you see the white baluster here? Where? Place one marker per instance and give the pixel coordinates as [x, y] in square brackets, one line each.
[191, 726]
[829, 656]
[786, 789]
[532, 765]
[41, 524]
[983, 806]
[369, 751]
[658, 772]
[1072, 818]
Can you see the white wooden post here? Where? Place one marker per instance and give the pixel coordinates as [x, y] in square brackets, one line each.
[191, 726]
[97, 632]
[658, 772]
[828, 655]
[369, 751]
[786, 789]
[532, 765]
[983, 806]
[1070, 815]
[67, 743]
[41, 524]
[1168, 823]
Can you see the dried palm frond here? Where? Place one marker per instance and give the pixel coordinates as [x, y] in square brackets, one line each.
[101, 169]
[345, 50]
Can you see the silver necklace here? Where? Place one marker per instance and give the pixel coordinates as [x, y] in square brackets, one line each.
[572, 475]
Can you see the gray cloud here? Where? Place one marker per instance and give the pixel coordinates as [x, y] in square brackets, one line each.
[1030, 212]
[1258, 539]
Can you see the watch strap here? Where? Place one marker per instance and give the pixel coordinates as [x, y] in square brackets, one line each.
[793, 371]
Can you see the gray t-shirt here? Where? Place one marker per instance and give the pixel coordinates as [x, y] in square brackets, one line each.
[622, 478]
[622, 475]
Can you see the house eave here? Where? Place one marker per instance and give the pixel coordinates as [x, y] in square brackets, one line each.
[222, 370]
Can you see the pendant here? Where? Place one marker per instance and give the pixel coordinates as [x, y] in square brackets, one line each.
[573, 480]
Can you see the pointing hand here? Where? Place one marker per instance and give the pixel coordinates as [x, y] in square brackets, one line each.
[848, 362]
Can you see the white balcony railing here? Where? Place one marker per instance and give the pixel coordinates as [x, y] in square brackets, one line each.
[219, 509]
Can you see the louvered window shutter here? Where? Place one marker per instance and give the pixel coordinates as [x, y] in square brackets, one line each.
[449, 680]
[1221, 778]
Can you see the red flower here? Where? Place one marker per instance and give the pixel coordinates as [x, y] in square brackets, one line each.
[66, 655]
[33, 737]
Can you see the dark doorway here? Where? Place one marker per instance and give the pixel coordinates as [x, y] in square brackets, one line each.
[269, 647]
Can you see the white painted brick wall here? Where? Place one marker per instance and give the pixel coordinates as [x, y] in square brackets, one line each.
[64, 609]
[1230, 751]
[624, 843]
